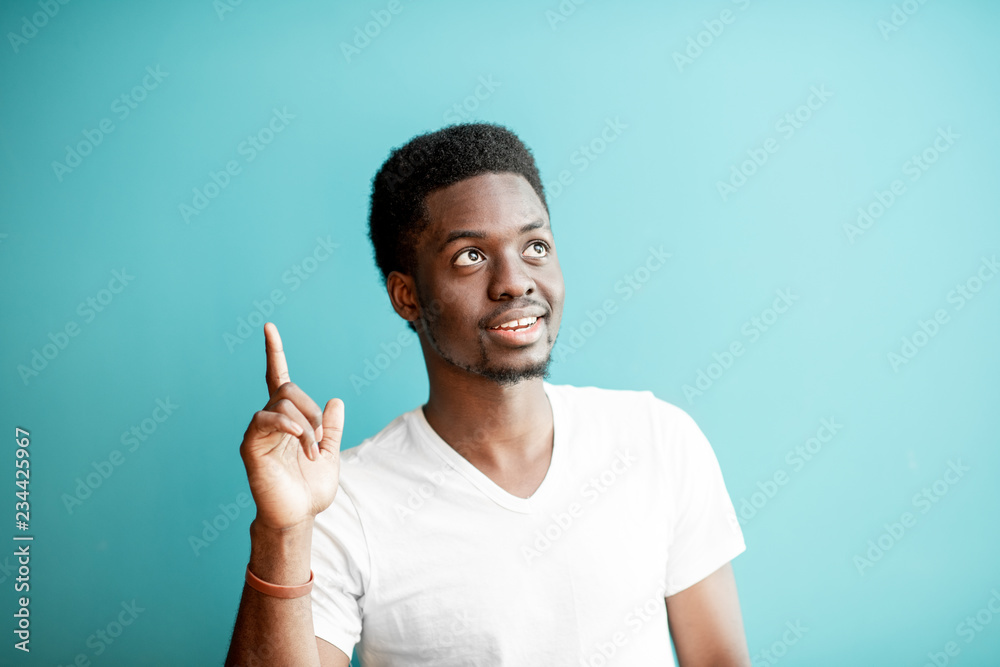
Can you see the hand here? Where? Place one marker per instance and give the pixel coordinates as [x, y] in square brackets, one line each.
[291, 450]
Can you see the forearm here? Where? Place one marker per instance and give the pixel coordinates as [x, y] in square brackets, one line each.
[706, 623]
[271, 630]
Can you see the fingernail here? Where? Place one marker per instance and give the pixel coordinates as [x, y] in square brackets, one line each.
[315, 451]
[319, 432]
[298, 428]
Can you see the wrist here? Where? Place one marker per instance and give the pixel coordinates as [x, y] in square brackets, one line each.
[281, 556]
[262, 531]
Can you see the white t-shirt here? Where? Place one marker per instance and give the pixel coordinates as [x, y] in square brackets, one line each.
[424, 560]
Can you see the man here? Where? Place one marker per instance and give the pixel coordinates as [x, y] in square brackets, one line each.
[507, 521]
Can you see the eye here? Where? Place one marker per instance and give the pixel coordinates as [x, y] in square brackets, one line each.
[473, 255]
[540, 248]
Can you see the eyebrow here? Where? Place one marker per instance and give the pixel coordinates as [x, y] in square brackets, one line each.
[472, 234]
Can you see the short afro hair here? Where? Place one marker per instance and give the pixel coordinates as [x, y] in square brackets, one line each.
[430, 161]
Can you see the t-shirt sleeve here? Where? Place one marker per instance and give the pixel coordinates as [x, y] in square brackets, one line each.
[705, 533]
[341, 572]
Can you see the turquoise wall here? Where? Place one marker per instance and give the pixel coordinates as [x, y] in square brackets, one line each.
[823, 177]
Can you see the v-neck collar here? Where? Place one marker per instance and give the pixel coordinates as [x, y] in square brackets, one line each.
[486, 485]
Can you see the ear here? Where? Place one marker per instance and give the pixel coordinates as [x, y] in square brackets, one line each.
[403, 295]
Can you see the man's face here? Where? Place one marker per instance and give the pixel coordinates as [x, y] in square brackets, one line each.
[488, 257]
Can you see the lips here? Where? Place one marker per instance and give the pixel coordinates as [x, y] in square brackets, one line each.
[516, 319]
[516, 324]
[518, 336]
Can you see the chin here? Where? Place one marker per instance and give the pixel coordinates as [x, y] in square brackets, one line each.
[510, 375]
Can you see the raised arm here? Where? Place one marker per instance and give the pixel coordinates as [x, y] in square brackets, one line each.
[291, 451]
[706, 623]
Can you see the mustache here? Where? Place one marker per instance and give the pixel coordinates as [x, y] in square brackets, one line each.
[434, 309]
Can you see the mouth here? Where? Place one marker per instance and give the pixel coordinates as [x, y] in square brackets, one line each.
[516, 325]
[523, 331]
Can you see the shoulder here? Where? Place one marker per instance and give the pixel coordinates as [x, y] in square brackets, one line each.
[392, 440]
[620, 404]
[658, 430]
[397, 457]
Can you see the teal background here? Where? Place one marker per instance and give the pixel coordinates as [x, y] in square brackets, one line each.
[655, 185]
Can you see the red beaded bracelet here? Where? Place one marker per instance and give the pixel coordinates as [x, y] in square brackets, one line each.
[277, 591]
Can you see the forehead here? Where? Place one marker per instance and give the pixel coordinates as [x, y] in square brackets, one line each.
[487, 201]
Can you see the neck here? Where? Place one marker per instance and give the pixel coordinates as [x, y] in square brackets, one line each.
[494, 427]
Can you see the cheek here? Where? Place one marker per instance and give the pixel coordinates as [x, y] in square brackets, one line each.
[453, 308]
[556, 288]
[560, 290]
[434, 302]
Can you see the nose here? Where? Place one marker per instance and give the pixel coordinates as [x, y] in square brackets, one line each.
[510, 278]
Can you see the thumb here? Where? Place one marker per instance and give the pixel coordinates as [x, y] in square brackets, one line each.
[333, 426]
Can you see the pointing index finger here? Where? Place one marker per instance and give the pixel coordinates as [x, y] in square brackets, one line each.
[277, 369]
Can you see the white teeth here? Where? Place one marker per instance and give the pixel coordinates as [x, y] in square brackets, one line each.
[517, 323]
